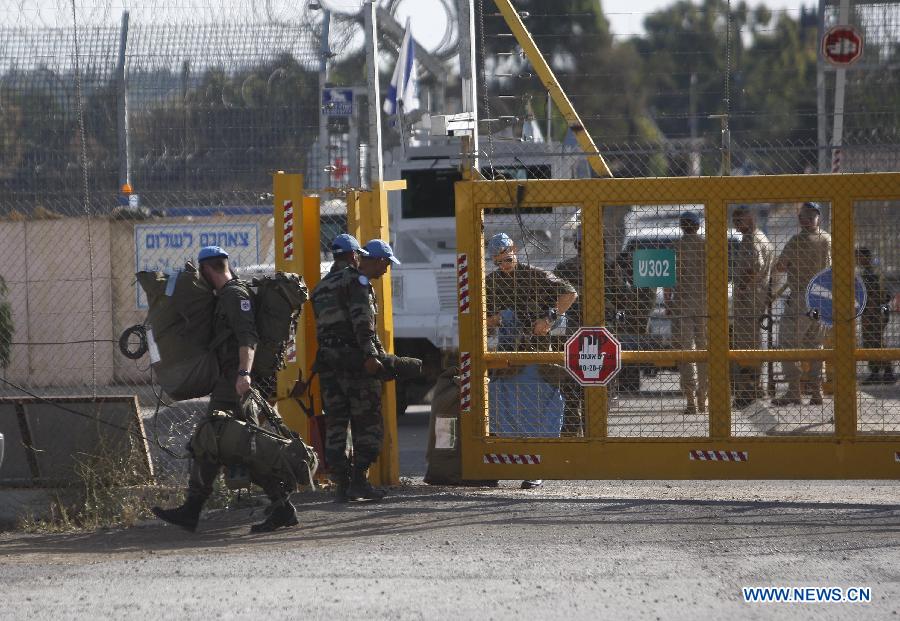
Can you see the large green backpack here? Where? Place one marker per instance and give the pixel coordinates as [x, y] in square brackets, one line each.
[180, 333]
[279, 299]
[180, 337]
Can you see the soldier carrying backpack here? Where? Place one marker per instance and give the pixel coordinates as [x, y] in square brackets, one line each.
[194, 359]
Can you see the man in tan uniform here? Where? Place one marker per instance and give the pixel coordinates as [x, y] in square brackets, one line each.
[806, 254]
[686, 303]
[752, 268]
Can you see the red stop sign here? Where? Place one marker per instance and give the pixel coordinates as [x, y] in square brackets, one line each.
[842, 45]
[593, 356]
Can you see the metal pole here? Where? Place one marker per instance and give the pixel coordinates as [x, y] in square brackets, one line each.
[468, 73]
[549, 105]
[324, 150]
[353, 147]
[820, 92]
[122, 107]
[840, 81]
[376, 169]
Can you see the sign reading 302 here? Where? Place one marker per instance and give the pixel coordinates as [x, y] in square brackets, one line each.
[654, 268]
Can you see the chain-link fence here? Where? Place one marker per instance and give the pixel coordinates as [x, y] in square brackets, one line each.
[695, 89]
[193, 105]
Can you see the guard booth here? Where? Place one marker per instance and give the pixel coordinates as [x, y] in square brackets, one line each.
[510, 391]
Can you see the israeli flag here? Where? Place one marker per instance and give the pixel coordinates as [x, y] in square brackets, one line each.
[404, 90]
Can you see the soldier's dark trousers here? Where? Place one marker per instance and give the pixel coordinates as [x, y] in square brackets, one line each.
[352, 402]
[872, 337]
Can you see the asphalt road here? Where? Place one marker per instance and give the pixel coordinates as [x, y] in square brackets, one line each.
[574, 550]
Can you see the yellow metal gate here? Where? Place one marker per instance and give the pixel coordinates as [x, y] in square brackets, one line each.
[670, 413]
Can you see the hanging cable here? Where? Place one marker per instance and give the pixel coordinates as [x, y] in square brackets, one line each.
[87, 201]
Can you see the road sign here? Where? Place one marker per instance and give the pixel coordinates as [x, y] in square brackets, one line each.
[842, 45]
[819, 297]
[654, 268]
[337, 101]
[593, 356]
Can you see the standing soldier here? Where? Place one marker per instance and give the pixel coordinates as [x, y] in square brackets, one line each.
[874, 319]
[345, 308]
[752, 268]
[535, 299]
[806, 254]
[687, 305]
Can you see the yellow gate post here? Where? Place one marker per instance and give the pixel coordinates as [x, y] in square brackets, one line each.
[296, 241]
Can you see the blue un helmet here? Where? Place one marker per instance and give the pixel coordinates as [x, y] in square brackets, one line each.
[211, 252]
[347, 243]
[380, 249]
[499, 243]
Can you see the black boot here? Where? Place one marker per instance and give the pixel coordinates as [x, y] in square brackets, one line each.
[283, 514]
[341, 479]
[186, 516]
[360, 488]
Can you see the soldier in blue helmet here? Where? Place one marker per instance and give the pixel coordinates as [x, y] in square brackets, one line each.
[235, 329]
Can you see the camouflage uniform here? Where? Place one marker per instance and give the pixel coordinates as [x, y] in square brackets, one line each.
[529, 292]
[873, 321]
[345, 308]
[752, 268]
[689, 314]
[804, 256]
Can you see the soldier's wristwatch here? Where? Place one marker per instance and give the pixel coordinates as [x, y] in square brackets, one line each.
[243, 373]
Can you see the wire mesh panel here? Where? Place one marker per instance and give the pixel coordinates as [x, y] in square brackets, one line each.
[194, 105]
[878, 267]
[735, 304]
[687, 89]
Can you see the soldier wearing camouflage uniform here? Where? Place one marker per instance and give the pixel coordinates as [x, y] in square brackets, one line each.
[235, 322]
[806, 254]
[345, 308]
[537, 299]
[752, 269]
[874, 320]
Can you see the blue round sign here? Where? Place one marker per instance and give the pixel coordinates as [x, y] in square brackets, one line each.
[819, 297]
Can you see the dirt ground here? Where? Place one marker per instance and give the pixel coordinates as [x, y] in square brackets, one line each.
[648, 550]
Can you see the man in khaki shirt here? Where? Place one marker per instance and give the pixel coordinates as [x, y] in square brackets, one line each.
[752, 268]
[686, 303]
[806, 254]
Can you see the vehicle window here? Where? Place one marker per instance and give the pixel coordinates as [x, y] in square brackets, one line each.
[429, 193]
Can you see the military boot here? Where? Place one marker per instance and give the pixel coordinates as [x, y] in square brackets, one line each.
[283, 514]
[360, 488]
[186, 516]
[342, 485]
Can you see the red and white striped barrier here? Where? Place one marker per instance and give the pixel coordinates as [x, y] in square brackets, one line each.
[462, 278]
[292, 351]
[288, 230]
[719, 456]
[507, 458]
[465, 384]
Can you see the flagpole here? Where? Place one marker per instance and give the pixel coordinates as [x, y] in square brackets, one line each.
[400, 127]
